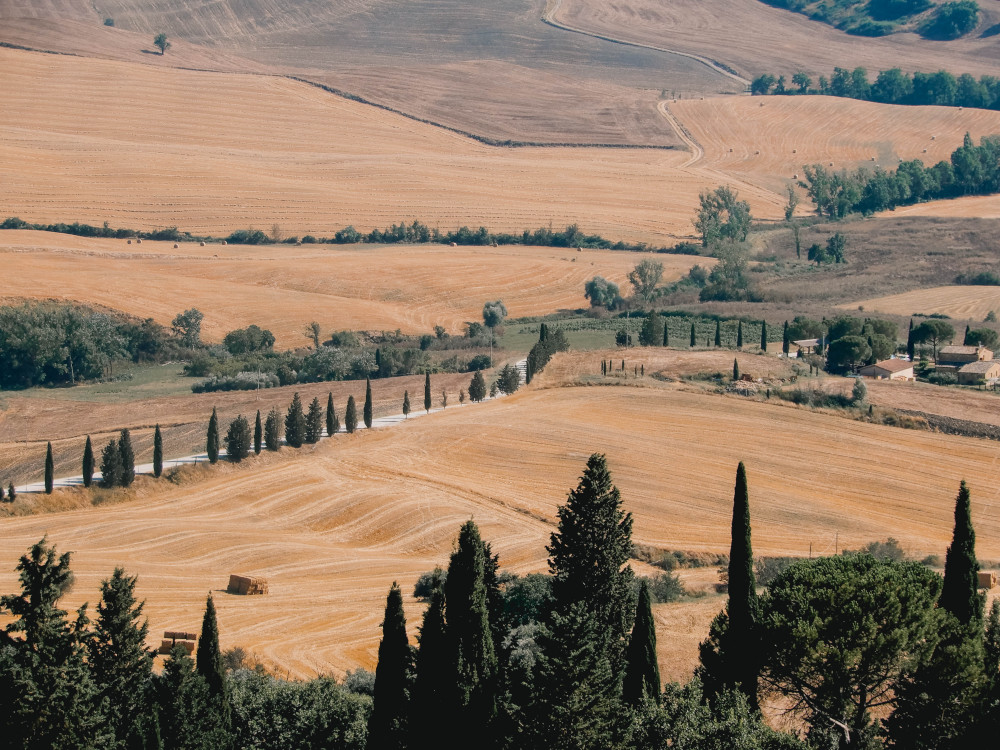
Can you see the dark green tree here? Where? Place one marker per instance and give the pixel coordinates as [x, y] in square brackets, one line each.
[314, 422]
[11, 492]
[295, 423]
[736, 369]
[960, 595]
[160, 40]
[718, 333]
[910, 342]
[111, 465]
[388, 725]
[188, 715]
[120, 663]
[739, 334]
[786, 342]
[212, 438]
[935, 332]
[351, 416]
[666, 334]
[406, 404]
[209, 664]
[763, 335]
[88, 463]
[427, 391]
[651, 333]
[433, 688]
[272, 430]
[367, 414]
[692, 333]
[238, 440]
[642, 671]
[332, 423]
[508, 379]
[469, 635]
[50, 470]
[258, 435]
[158, 452]
[127, 455]
[477, 387]
[730, 657]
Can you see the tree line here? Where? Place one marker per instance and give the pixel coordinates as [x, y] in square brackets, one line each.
[874, 18]
[892, 86]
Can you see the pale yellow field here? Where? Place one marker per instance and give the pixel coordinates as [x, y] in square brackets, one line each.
[284, 287]
[332, 527]
[975, 206]
[956, 301]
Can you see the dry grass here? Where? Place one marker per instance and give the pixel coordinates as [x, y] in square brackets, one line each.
[284, 287]
[983, 206]
[961, 302]
[333, 526]
[756, 38]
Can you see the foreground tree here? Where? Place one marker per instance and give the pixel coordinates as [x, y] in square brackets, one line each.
[210, 667]
[295, 423]
[351, 416]
[433, 687]
[189, 717]
[160, 41]
[388, 725]
[88, 463]
[158, 451]
[960, 593]
[50, 470]
[367, 414]
[642, 671]
[272, 430]
[332, 423]
[238, 440]
[212, 438]
[314, 422]
[730, 657]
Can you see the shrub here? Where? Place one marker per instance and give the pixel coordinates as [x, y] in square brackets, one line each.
[942, 378]
[983, 278]
[479, 362]
[243, 381]
[248, 237]
[428, 581]
[666, 587]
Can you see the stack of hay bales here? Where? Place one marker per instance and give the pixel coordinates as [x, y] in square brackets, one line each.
[247, 585]
[173, 638]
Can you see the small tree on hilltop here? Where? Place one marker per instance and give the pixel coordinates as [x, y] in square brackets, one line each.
[158, 452]
[351, 416]
[295, 423]
[127, 458]
[736, 369]
[212, 438]
[49, 470]
[314, 422]
[332, 423]
[859, 393]
[88, 463]
[160, 41]
[238, 439]
[427, 391]
[406, 404]
[367, 413]
[11, 492]
[272, 430]
[258, 435]
[477, 387]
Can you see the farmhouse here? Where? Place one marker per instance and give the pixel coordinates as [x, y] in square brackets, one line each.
[951, 358]
[976, 373]
[889, 369]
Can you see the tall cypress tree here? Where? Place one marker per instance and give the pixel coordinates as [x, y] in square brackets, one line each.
[88, 463]
[121, 665]
[786, 343]
[427, 391]
[469, 635]
[910, 342]
[666, 333]
[332, 423]
[718, 333]
[368, 403]
[960, 594]
[763, 335]
[433, 686]
[258, 435]
[406, 404]
[736, 369]
[50, 470]
[965, 339]
[739, 334]
[314, 422]
[272, 430]
[158, 452]
[295, 423]
[642, 671]
[730, 657]
[209, 664]
[351, 416]
[692, 333]
[212, 438]
[387, 725]
[127, 458]
[111, 465]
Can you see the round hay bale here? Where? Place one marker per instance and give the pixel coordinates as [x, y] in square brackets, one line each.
[130, 242]
[201, 244]
[224, 242]
[138, 242]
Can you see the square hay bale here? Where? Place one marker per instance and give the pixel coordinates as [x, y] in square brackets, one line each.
[180, 635]
[987, 579]
[167, 645]
[247, 585]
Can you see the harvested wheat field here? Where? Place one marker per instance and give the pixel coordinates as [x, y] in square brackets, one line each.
[756, 38]
[767, 140]
[141, 147]
[973, 206]
[961, 302]
[284, 287]
[331, 527]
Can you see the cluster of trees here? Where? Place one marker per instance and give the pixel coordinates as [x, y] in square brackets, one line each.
[729, 333]
[892, 86]
[171, 234]
[549, 342]
[46, 343]
[972, 170]
[948, 20]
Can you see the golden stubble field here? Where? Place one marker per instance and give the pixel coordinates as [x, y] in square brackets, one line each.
[284, 287]
[960, 302]
[332, 527]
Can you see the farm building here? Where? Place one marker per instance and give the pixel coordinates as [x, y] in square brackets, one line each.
[804, 345]
[950, 358]
[976, 373]
[889, 369]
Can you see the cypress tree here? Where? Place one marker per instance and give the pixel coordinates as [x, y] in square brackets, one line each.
[238, 440]
[368, 403]
[477, 387]
[965, 339]
[692, 334]
[387, 725]
[666, 334]
[736, 369]
[272, 430]
[209, 664]
[718, 333]
[406, 404]
[314, 422]
[739, 334]
[642, 671]
[730, 657]
[11, 493]
[786, 343]
[120, 664]
[529, 371]
[991, 642]
[469, 635]
[960, 595]
[295, 423]
[127, 458]
[111, 465]
[763, 335]
[3, 496]
[212, 439]
[910, 342]
[433, 686]
[351, 416]
[258, 435]
[50, 470]
[427, 392]
[88, 463]
[158, 450]
[332, 423]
